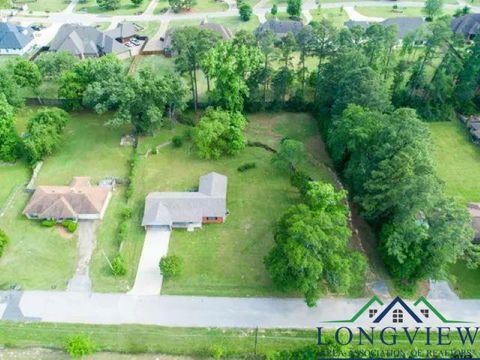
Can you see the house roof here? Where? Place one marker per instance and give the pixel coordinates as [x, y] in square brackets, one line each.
[280, 27]
[404, 25]
[85, 41]
[14, 37]
[467, 25]
[166, 208]
[60, 202]
[124, 30]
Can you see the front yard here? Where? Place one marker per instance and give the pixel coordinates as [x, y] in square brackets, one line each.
[458, 164]
[45, 5]
[126, 8]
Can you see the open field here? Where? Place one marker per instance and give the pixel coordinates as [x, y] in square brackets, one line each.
[202, 343]
[227, 259]
[126, 8]
[458, 164]
[45, 5]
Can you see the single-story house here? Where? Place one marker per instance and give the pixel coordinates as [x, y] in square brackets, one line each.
[466, 25]
[474, 210]
[87, 41]
[473, 126]
[222, 30]
[188, 209]
[280, 27]
[77, 201]
[124, 31]
[404, 25]
[15, 39]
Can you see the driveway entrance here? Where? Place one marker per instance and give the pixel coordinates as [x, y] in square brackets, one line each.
[149, 280]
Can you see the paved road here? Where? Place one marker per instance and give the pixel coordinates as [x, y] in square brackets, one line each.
[148, 280]
[194, 311]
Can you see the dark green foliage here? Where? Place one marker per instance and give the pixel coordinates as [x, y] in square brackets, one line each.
[25, 73]
[70, 225]
[118, 266]
[311, 246]
[246, 166]
[137, 3]
[44, 133]
[9, 88]
[79, 345]
[220, 133]
[171, 266]
[126, 214]
[108, 5]
[9, 140]
[245, 11]
[177, 141]
[274, 10]
[300, 180]
[53, 64]
[294, 8]
[290, 155]
[48, 223]
[4, 240]
[180, 5]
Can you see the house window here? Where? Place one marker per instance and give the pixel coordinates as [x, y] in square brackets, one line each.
[211, 218]
[372, 312]
[425, 312]
[397, 316]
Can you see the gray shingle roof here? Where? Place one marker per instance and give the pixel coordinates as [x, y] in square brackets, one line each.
[280, 27]
[14, 37]
[124, 30]
[84, 41]
[404, 25]
[166, 208]
[468, 25]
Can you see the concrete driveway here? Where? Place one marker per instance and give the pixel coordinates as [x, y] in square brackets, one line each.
[149, 280]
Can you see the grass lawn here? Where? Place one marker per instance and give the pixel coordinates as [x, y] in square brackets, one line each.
[235, 23]
[201, 6]
[227, 259]
[102, 26]
[158, 63]
[458, 164]
[150, 28]
[337, 16]
[388, 12]
[45, 5]
[126, 8]
[48, 89]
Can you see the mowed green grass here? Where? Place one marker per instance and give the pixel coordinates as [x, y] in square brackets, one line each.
[126, 8]
[201, 6]
[458, 164]
[150, 28]
[227, 259]
[46, 5]
[337, 16]
[388, 12]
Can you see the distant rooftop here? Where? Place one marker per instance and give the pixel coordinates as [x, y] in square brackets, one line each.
[14, 37]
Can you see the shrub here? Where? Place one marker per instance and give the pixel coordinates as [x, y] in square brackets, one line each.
[79, 345]
[122, 231]
[245, 11]
[48, 223]
[188, 133]
[247, 166]
[118, 266]
[126, 213]
[177, 141]
[171, 266]
[4, 240]
[218, 351]
[70, 225]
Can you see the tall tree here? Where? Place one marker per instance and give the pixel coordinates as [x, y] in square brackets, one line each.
[266, 42]
[294, 8]
[433, 8]
[191, 44]
[9, 139]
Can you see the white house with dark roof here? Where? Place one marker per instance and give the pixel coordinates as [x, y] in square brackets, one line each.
[15, 39]
[189, 210]
[87, 41]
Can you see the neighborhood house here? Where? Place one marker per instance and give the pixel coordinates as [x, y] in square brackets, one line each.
[77, 201]
[124, 32]
[280, 27]
[404, 25]
[87, 41]
[15, 39]
[467, 25]
[188, 209]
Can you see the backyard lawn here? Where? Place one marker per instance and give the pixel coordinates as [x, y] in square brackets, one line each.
[45, 5]
[126, 8]
[458, 164]
[227, 259]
